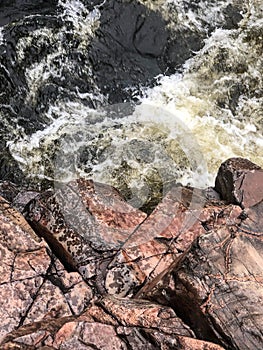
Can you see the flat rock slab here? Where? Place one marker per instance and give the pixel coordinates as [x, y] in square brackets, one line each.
[112, 323]
[85, 223]
[33, 284]
[163, 239]
[218, 289]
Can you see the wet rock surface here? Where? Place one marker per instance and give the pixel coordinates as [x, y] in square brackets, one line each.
[8, 190]
[188, 276]
[17, 9]
[9, 169]
[126, 48]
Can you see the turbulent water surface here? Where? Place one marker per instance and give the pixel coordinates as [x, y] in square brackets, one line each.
[137, 94]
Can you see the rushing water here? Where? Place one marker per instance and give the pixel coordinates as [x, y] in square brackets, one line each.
[187, 96]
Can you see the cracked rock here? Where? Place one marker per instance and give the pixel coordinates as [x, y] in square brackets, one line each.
[188, 276]
[220, 288]
[217, 288]
[163, 239]
[28, 271]
[85, 223]
[111, 323]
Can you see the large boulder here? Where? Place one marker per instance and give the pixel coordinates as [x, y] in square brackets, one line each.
[126, 49]
[239, 181]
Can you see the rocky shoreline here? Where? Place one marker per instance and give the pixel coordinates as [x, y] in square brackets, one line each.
[82, 269]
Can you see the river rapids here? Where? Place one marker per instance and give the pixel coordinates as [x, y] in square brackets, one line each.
[136, 94]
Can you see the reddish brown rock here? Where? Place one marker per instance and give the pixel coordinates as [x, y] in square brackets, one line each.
[33, 286]
[85, 223]
[252, 222]
[218, 287]
[195, 344]
[195, 258]
[239, 181]
[119, 251]
[163, 238]
[111, 324]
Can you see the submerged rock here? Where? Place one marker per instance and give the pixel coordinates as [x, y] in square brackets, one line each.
[125, 50]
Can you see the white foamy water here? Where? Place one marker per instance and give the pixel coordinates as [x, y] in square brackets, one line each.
[84, 22]
[52, 65]
[183, 128]
[193, 97]
[1, 36]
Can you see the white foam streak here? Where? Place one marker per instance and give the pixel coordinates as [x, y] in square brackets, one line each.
[1, 36]
[85, 22]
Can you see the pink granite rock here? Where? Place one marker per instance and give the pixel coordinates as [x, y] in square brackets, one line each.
[163, 239]
[85, 223]
[220, 288]
[112, 323]
[196, 259]
[217, 287]
[32, 284]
